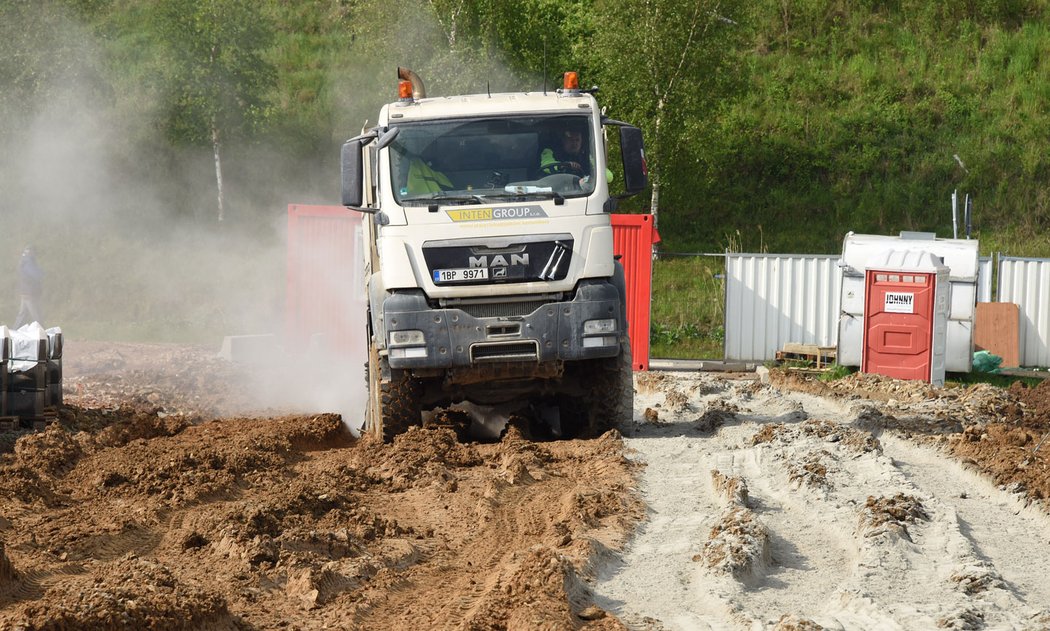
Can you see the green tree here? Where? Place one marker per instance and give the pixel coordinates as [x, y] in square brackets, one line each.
[667, 65]
[529, 36]
[217, 72]
[42, 50]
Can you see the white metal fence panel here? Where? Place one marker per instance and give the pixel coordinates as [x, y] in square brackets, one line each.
[1026, 282]
[984, 279]
[773, 299]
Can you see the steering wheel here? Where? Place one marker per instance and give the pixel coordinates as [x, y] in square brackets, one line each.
[561, 182]
[564, 167]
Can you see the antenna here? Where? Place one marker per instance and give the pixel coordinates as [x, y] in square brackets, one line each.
[955, 214]
[968, 213]
[488, 88]
[544, 65]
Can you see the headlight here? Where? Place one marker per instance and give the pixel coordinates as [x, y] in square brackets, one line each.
[408, 353]
[407, 338]
[596, 327]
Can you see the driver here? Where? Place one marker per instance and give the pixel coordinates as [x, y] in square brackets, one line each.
[568, 156]
[422, 178]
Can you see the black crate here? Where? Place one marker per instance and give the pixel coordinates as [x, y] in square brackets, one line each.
[53, 377]
[27, 393]
[33, 379]
[26, 403]
[54, 382]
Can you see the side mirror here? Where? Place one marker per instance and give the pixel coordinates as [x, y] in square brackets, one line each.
[635, 170]
[352, 174]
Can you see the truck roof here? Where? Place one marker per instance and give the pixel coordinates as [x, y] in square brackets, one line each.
[483, 104]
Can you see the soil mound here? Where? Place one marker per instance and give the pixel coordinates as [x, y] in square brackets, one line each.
[141, 509]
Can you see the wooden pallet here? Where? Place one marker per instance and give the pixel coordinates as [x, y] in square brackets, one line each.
[820, 356]
[9, 423]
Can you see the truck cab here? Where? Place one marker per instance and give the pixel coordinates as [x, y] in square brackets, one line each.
[490, 270]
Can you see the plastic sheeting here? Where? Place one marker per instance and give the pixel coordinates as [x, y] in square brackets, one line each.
[27, 351]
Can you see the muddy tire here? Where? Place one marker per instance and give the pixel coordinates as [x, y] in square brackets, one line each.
[394, 399]
[611, 396]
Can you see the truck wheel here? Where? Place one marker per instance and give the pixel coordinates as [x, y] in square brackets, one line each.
[612, 393]
[394, 403]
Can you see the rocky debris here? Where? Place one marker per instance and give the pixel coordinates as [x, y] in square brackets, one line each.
[855, 440]
[732, 488]
[716, 416]
[890, 515]
[132, 594]
[976, 579]
[737, 545]
[811, 472]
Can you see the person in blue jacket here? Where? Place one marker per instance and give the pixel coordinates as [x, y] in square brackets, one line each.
[30, 288]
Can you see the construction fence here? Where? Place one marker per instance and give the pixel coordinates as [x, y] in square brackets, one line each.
[772, 300]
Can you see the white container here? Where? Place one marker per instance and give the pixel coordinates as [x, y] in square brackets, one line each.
[961, 258]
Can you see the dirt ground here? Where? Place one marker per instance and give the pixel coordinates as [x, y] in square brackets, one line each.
[143, 509]
[1000, 432]
[163, 500]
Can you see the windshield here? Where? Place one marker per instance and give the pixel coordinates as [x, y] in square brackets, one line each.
[493, 159]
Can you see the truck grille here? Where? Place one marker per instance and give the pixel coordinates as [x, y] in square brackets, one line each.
[505, 351]
[500, 309]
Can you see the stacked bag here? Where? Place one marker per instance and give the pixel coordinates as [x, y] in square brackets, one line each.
[31, 369]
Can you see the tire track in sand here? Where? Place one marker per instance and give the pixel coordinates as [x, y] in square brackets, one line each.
[858, 540]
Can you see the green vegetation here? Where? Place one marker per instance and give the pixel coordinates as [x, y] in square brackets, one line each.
[1001, 381]
[855, 112]
[836, 372]
[688, 304]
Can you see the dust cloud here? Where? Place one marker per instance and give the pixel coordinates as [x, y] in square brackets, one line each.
[124, 224]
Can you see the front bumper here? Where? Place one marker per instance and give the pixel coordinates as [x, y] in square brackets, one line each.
[453, 338]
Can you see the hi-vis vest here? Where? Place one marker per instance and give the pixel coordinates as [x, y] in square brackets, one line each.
[423, 179]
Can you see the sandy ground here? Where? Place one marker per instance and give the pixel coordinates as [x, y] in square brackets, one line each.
[862, 506]
[176, 494]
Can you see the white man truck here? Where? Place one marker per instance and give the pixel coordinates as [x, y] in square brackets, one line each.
[489, 257]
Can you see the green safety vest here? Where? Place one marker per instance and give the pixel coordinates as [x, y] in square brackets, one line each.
[547, 158]
[423, 179]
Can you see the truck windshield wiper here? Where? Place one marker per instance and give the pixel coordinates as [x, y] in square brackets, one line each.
[545, 194]
[442, 198]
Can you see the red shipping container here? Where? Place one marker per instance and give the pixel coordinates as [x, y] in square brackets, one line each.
[633, 239]
[325, 285]
[324, 301]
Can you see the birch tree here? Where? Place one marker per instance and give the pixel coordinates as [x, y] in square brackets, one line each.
[216, 72]
[665, 65]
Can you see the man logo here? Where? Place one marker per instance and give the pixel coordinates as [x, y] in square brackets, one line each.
[499, 272]
[499, 260]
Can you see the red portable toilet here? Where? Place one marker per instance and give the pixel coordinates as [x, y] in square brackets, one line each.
[906, 316]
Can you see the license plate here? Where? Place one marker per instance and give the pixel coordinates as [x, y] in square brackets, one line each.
[461, 274]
